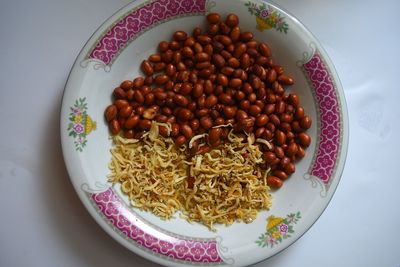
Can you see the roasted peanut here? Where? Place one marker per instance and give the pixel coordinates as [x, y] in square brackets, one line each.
[213, 18]
[119, 93]
[232, 20]
[262, 120]
[280, 137]
[284, 79]
[147, 68]
[186, 131]
[292, 149]
[125, 111]
[254, 110]
[180, 36]
[114, 127]
[184, 114]
[299, 113]
[245, 61]
[214, 135]
[121, 103]
[246, 36]
[235, 83]
[145, 124]
[132, 121]
[305, 122]
[138, 96]
[206, 122]
[305, 139]
[264, 50]
[211, 101]
[155, 58]
[229, 112]
[290, 168]
[180, 140]
[111, 112]
[274, 182]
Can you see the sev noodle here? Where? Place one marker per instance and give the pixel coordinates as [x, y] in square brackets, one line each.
[221, 186]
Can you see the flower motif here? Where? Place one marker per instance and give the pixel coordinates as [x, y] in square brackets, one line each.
[136, 232]
[110, 44]
[276, 234]
[111, 209]
[80, 123]
[78, 128]
[267, 17]
[76, 111]
[101, 55]
[273, 17]
[290, 219]
[158, 10]
[264, 13]
[328, 118]
[172, 8]
[321, 173]
[132, 24]
[149, 240]
[197, 251]
[283, 228]
[181, 249]
[312, 64]
[122, 221]
[278, 229]
[121, 33]
[319, 75]
[145, 16]
[327, 103]
[78, 118]
[165, 246]
[330, 131]
[270, 240]
[103, 196]
[328, 147]
[212, 252]
[187, 4]
[324, 89]
[326, 161]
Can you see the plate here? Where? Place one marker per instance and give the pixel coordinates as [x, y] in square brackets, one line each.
[114, 53]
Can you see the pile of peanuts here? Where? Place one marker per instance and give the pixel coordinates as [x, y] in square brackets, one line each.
[217, 77]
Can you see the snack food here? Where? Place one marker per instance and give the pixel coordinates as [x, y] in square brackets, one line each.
[221, 186]
[214, 85]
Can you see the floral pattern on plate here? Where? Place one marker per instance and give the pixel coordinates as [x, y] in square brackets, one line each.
[158, 242]
[138, 20]
[278, 229]
[267, 17]
[330, 124]
[81, 124]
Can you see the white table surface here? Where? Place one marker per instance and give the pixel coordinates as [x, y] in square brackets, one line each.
[42, 221]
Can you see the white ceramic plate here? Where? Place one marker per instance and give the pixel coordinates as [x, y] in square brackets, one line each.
[114, 53]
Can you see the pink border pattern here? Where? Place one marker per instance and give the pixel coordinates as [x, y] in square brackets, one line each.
[330, 125]
[134, 228]
[138, 20]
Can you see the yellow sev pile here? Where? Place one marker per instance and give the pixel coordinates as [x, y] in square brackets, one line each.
[221, 186]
